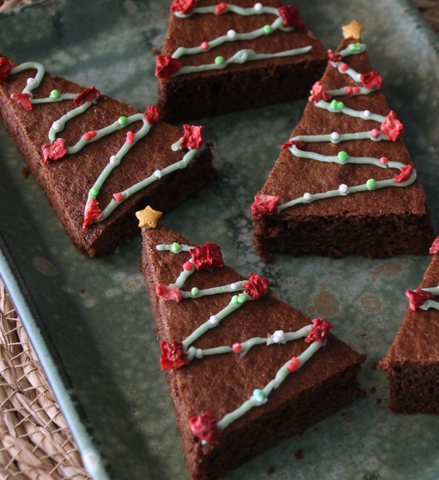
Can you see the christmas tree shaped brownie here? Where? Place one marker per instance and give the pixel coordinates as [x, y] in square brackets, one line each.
[221, 57]
[97, 159]
[412, 364]
[344, 183]
[245, 370]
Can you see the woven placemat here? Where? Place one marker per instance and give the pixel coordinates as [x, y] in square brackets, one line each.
[35, 441]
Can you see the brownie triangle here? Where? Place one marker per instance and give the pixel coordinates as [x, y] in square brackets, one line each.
[208, 388]
[100, 157]
[412, 364]
[219, 58]
[344, 183]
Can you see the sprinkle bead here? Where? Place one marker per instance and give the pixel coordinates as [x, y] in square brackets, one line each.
[214, 320]
[259, 395]
[187, 266]
[199, 353]
[31, 81]
[122, 120]
[342, 156]
[383, 160]
[241, 298]
[237, 347]
[366, 113]
[231, 34]
[233, 286]
[118, 197]
[219, 60]
[278, 336]
[195, 292]
[343, 189]
[371, 184]
[175, 247]
[343, 67]
[205, 45]
[54, 94]
[57, 126]
[114, 160]
[158, 174]
[94, 191]
[375, 133]
[235, 300]
[335, 136]
[307, 196]
[258, 6]
[267, 29]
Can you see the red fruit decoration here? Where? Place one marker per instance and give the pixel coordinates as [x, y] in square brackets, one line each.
[24, 99]
[166, 292]
[54, 150]
[318, 93]
[204, 426]
[257, 286]
[92, 214]
[320, 331]
[152, 115]
[405, 174]
[173, 355]
[86, 96]
[371, 79]
[166, 66]
[298, 144]
[392, 127]
[291, 16]
[418, 297]
[207, 257]
[192, 137]
[265, 205]
[5, 69]
[220, 8]
[334, 57]
[435, 246]
[183, 6]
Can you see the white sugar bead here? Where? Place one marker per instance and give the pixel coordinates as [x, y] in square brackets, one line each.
[231, 33]
[335, 136]
[233, 286]
[307, 196]
[114, 159]
[278, 336]
[258, 6]
[57, 126]
[31, 81]
[199, 353]
[158, 174]
[214, 320]
[343, 188]
[366, 113]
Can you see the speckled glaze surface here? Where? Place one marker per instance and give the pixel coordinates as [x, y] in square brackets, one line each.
[97, 312]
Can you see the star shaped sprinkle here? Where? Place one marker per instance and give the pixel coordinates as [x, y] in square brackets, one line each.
[148, 217]
[352, 30]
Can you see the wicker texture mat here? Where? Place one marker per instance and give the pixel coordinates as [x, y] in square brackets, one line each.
[35, 441]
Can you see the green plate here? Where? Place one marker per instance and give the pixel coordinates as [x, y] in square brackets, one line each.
[106, 373]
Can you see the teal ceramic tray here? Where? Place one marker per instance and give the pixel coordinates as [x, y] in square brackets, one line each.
[106, 373]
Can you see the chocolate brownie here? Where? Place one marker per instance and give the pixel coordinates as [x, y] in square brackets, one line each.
[412, 364]
[325, 194]
[227, 404]
[217, 76]
[70, 175]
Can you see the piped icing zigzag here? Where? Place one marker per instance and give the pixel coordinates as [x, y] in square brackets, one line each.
[57, 147]
[176, 354]
[390, 129]
[288, 19]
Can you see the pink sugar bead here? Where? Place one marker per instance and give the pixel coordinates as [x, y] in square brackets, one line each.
[204, 45]
[375, 133]
[343, 67]
[383, 160]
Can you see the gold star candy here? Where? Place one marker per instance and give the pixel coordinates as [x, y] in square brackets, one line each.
[148, 217]
[352, 30]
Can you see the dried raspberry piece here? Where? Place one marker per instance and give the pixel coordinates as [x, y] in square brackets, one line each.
[5, 69]
[166, 292]
[371, 79]
[417, 298]
[256, 286]
[320, 331]
[405, 174]
[204, 426]
[173, 355]
[298, 144]
[265, 205]
[291, 16]
[334, 57]
[54, 150]
[92, 214]
[183, 6]
[24, 99]
[152, 115]
[220, 8]
[86, 96]
[318, 93]
[207, 257]
[166, 66]
[192, 137]
[435, 246]
[392, 127]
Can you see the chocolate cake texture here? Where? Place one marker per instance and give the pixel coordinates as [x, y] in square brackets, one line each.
[217, 74]
[344, 183]
[70, 179]
[208, 389]
[412, 364]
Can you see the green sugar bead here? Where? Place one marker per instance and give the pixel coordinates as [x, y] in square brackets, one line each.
[235, 299]
[371, 184]
[94, 191]
[342, 156]
[175, 247]
[54, 94]
[267, 29]
[355, 47]
[259, 395]
[195, 292]
[219, 60]
[241, 298]
[122, 120]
